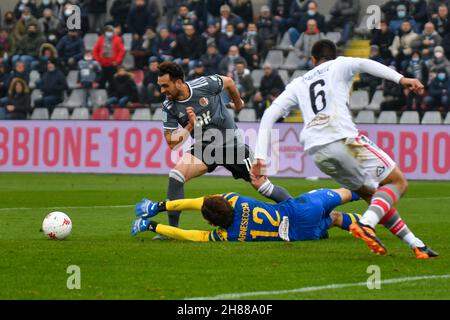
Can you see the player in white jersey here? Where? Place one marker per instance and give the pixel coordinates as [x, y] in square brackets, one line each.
[331, 138]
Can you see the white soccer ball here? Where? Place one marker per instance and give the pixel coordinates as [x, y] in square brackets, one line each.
[57, 225]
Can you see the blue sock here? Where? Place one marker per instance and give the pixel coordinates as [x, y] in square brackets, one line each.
[355, 196]
[348, 219]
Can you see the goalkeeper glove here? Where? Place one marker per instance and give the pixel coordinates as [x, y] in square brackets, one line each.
[146, 209]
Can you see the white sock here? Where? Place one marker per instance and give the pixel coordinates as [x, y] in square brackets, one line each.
[414, 242]
[370, 218]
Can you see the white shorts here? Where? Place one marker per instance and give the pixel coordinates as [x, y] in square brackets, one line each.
[354, 162]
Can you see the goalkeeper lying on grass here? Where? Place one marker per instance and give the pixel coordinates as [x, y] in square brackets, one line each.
[239, 218]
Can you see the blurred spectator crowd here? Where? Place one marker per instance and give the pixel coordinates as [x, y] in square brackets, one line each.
[111, 61]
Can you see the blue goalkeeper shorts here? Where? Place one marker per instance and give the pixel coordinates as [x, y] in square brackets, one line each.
[310, 218]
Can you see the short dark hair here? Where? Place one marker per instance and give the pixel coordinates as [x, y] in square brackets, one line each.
[324, 50]
[174, 70]
[218, 211]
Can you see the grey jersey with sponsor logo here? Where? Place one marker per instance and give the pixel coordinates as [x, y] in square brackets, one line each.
[205, 98]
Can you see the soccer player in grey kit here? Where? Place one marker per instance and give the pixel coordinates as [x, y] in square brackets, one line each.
[196, 108]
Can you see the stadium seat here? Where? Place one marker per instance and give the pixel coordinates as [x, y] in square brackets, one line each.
[99, 97]
[248, 115]
[138, 76]
[285, 43]
[409, 117]
[121, 114]
[35, 95]
[284, 76]
[292, 62]
[275, 58]
[257, 75]
[333, 36]
[298, 73]
[128, 61]
[76, 99]
[35, 76]
[359, 100]
[365, 116]
[89, 40]
[60, 114]
[72, 79]
[158, 115]
[377, 99]
[447, 118]
[432, 117]
[80, 114]
[387, 117]
[141, 114]
[101, 113]
[127, 39]
[40, 114]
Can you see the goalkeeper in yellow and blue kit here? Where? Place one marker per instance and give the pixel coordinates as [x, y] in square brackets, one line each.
[240, 218]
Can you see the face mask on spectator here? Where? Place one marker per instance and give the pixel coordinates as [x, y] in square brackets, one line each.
[26, 18]
[45, 2]
[438, 55]
[252, 33]
[441, 76]
[68, 12]
[415, 59]
[311, 12]
[25, 1]
[51, 38]
[229, 33]
[32, 33]
[61, 1]
[109, 34]
[88, 57]
[401, 14]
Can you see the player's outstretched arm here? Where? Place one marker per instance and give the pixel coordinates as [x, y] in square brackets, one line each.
[179, 234]
[381, 71]
[147, 208]
[233, 93]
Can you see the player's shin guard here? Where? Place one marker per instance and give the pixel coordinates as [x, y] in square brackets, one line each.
[175, 191]
[397, 227]
[382, 202]
[273, 192]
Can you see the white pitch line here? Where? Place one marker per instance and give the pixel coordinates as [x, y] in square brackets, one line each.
[130, 206]
[317, 288]
[82, 207]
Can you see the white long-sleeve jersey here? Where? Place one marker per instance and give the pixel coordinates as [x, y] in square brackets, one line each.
[322, 95]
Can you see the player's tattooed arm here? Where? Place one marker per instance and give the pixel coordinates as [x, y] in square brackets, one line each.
[233, 93]
[176, 138]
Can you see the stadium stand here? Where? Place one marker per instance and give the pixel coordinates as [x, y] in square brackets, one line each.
[141, 114]
[100, 114]
[121, 114]
[60, 114]
[40, 114]
[432, 117]
[410, 117]
[359, 100]
[365, 116]
[80, 114]
[387, 117]
[280, 54]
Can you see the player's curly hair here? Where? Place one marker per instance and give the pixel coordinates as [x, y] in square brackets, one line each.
[218, 211]
[174, 70]
[324, 50]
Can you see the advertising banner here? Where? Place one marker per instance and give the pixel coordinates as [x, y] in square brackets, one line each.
[134, 147]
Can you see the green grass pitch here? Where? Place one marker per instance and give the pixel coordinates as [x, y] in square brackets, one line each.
[115, 265]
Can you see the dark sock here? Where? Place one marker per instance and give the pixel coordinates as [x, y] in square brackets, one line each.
[273, 192]
[175, 191]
